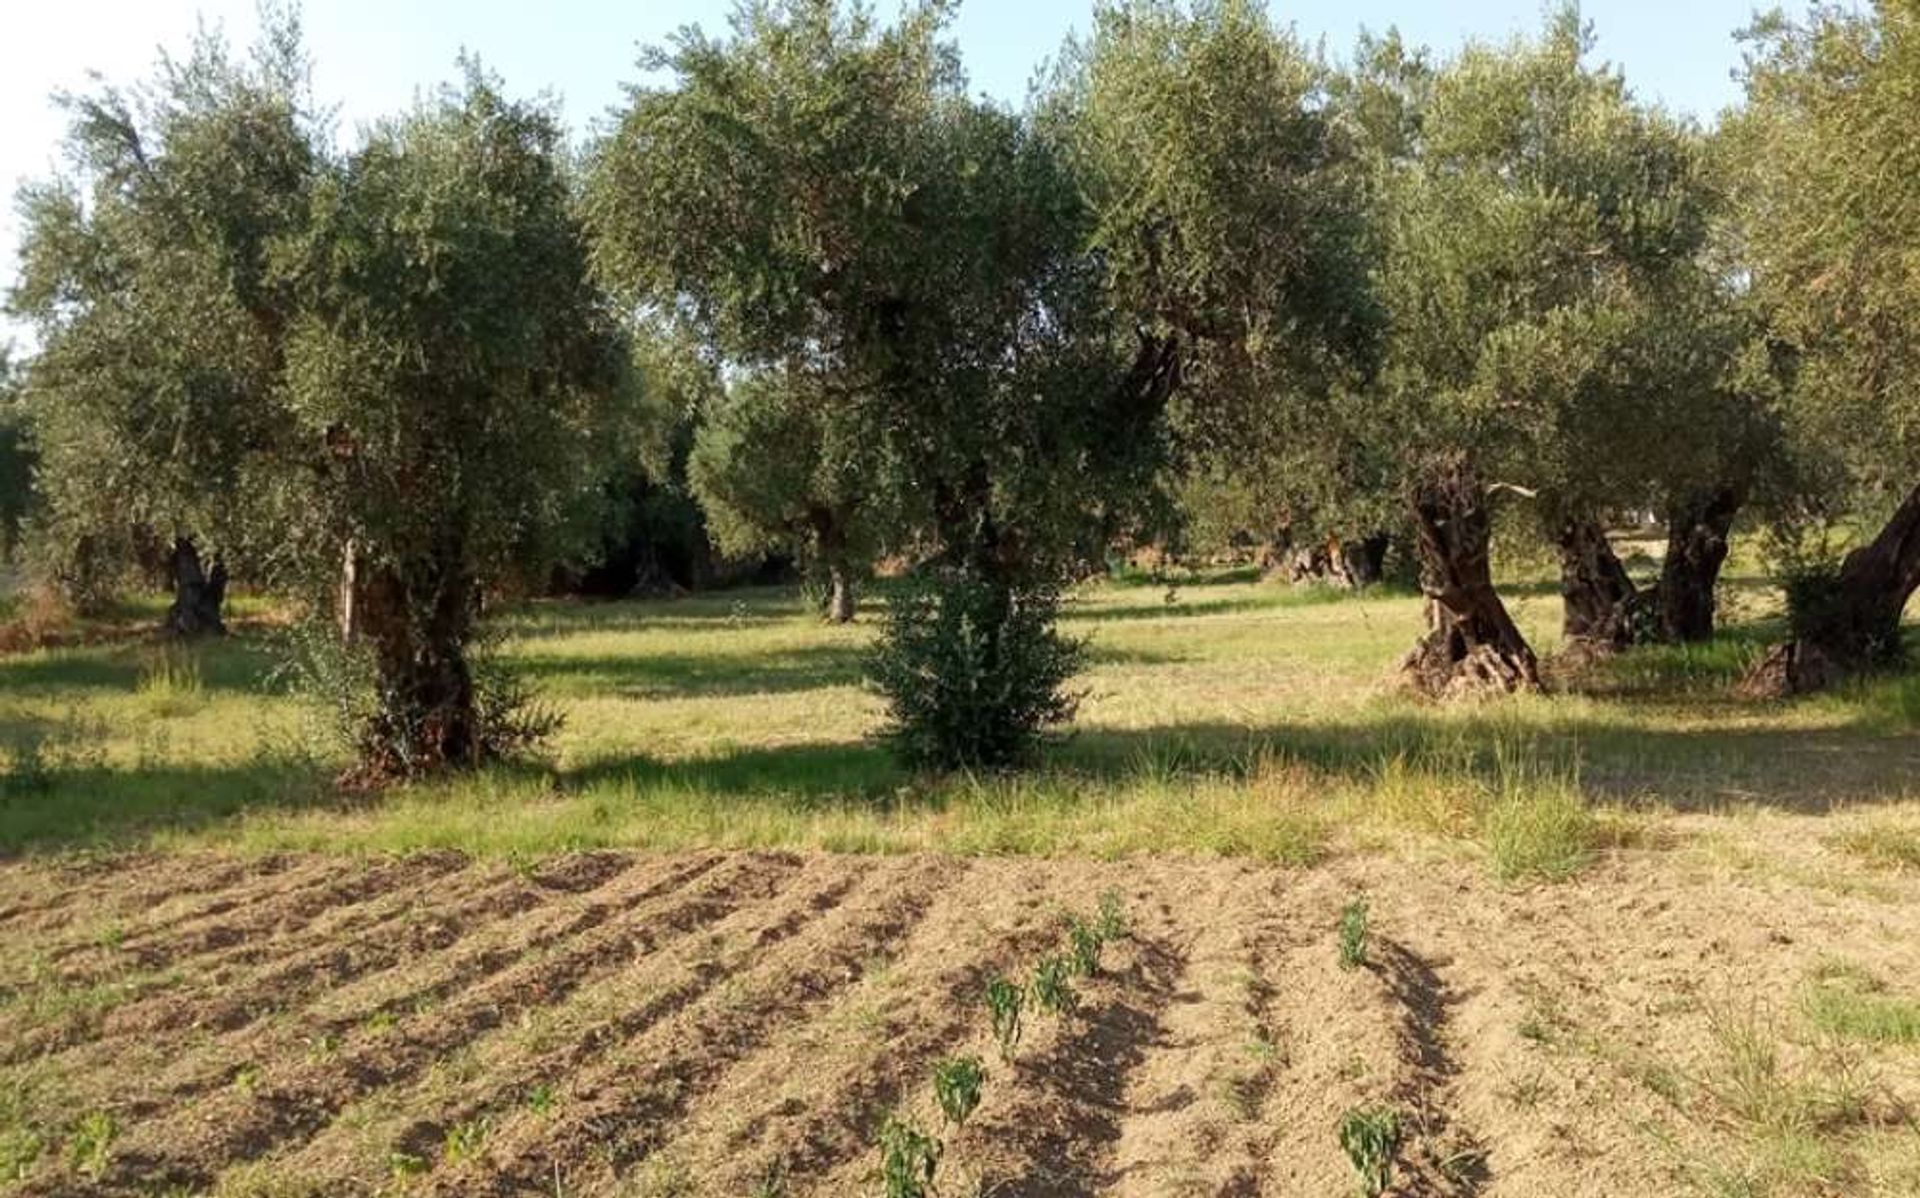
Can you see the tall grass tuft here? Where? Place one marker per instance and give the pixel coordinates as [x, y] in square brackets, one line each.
[170, 683]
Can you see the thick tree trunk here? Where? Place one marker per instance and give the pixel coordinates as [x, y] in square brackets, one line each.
[198, 592]
[1697, 530]
[840, 599]
[1363, 562]
[1602, 604]
[1472, 644]
[417, 625]
[1853, 624]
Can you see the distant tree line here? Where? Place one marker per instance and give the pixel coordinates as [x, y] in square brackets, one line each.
[808, 300]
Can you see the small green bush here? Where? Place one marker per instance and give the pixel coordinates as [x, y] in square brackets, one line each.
[957, 1082]
[1006, 1004]
[973, 672]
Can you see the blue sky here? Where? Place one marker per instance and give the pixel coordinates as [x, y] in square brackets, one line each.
[371, 57]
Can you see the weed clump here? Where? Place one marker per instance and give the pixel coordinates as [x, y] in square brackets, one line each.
[1370, 1136]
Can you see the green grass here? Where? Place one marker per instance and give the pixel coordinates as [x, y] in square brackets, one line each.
[1847, 1001]
[1231, 718]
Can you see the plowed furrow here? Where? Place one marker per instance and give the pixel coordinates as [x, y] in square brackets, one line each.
[248, 932]
[1341, 1044]
[46, 900]
[1441, 1158]
[168, 1078]
[506, 1067]
[222, 994]
[1193, 1105]
[806, 1105]
[287, 1104]
[169, 918]
[618, 1115]
[1056, 1130]
[411, 930]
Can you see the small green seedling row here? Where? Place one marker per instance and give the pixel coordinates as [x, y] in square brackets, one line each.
[1353, 934]
[1370, 1136]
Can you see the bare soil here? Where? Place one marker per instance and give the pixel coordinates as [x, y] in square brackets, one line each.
[738, 1024]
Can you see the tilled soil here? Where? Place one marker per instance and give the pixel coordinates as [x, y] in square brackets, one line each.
[740, 1023]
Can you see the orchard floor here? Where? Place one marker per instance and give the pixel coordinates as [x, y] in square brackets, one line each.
[1639, 936]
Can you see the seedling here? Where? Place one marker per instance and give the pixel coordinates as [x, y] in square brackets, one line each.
[1113, 917]
[909, 1158]
[1353, 934]
[1085, 941]
[956, 1086]
[1052, 990]
[1006, 1002]
[464, 1141]
[405, 1164]
[1370, 1135]
[540, 1099]
[91, 1143]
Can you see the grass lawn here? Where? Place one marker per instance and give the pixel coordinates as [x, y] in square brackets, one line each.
[1224, 717]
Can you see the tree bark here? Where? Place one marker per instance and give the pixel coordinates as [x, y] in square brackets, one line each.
[417, 622]
[1472, 644]
[1697, 531]
[1363, 562]
[347, 611]
[198, 592]
[1853, 623]
[1602, 604]
[840, 598]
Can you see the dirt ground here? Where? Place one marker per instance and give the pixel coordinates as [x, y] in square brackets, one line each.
[738, 1024]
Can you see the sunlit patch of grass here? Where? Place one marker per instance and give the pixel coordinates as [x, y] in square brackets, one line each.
[1883, 842]
[1232, 718]
[1779, 1118]
[170, 684]
[1845, 1000]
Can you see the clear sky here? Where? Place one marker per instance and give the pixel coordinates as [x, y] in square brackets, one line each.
[372, 56]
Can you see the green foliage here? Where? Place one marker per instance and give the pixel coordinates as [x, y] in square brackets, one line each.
[1006, 1005]
[17, 460]
[972, 673]
[1353, 934]
[1084, 942]
[909, 1159]
[1011, 445]
[1827, 175]
[1370, 1136]
[90, 1143]
[957, 1082]
[1112, 921]
[1052, 985]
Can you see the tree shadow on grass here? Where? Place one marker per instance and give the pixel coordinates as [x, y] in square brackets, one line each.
[681, 675]
[93, 807]
[231, 664]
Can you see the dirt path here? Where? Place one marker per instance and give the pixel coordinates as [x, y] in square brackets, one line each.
[739, 1024]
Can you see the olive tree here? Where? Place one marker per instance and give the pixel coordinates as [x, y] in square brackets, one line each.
[818, 196]
[16, 461]
[1830, 220]
[774, 471]
[456, 377]
[1225, 197]
[1531, 215]
[149, 272]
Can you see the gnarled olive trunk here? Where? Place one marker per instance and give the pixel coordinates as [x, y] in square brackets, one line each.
[417, 620]
[1602, 604]
[1852, 622]
[199, 592]
[830, 542]
[1697, 530]
[840, 598]
[1472, 644]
